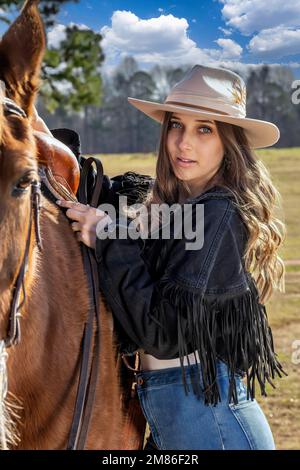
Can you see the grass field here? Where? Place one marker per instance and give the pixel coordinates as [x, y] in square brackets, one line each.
[282, 406]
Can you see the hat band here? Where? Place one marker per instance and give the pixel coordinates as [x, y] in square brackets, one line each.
[231, 106]
[200, 108]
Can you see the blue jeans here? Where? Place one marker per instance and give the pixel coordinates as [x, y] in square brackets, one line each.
[181, 422]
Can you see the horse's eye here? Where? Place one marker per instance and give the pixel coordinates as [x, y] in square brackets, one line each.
[22, 185]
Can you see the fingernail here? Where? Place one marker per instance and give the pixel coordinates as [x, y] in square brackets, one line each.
[58, 202]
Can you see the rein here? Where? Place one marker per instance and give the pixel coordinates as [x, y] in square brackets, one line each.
[89, 370]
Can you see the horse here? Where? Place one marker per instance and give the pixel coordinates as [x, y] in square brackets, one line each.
[40, 374]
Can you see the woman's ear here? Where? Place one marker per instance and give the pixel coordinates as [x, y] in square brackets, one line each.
[21, 53]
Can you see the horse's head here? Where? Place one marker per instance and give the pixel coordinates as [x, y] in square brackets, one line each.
[21, 52]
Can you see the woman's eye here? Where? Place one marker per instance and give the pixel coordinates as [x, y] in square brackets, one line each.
[207, 130]
[178, 125]
[175, 125]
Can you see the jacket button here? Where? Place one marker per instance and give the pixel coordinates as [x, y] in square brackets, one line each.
[140, 381]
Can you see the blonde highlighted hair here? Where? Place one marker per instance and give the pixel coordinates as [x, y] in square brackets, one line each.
[255, 196]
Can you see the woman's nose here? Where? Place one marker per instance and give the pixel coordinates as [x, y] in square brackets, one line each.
[184, 141]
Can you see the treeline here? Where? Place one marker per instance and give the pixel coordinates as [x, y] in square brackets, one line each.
[117, 127]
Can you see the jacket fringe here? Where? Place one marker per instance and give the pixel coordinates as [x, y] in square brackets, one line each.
[240, 323]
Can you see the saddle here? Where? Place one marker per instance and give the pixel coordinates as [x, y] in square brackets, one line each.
[59, 165]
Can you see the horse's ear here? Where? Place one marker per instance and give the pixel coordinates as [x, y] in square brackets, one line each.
[21, 53]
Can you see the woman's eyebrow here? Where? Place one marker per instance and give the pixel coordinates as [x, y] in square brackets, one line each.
[196, 120]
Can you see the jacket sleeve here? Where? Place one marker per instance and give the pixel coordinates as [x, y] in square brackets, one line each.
[204, 301]
[140, 300]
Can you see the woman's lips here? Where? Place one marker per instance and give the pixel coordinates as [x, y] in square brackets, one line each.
[185, 163]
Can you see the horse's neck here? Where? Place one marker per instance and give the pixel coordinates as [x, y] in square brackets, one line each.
[44, 366]
[58, 297]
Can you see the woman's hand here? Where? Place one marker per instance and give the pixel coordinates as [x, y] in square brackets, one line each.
[38, 124]
[85, 219]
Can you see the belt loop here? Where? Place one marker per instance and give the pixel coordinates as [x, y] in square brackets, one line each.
[137, 362]
[135, 369]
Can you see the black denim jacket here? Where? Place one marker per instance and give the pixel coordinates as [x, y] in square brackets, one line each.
[171, 301]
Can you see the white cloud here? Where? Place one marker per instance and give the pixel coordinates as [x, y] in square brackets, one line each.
[250, 16]
[162, 40]
[58, 33]
[81, 26]
[276, 42]
[60, 68]
[231, 49]
[64, 87]
[227, 32]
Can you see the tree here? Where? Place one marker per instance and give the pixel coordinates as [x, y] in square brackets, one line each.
[135, 130]
[269, 98]
[71, 77]
[48, 9]
[71, 72]
[165, 77]
[118, 127]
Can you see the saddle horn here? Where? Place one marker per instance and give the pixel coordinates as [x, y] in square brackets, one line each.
[57, 156]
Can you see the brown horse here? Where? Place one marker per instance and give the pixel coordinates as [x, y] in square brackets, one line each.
[43, 369]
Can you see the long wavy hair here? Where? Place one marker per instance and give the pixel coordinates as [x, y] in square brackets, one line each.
[254, 195]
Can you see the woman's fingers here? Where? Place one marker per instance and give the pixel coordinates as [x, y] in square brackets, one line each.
[79, 207]
[87, 238]
[80, 212]
[76, 227]
[76, 210]
[73, 214]
[73, 205]
[85, 220]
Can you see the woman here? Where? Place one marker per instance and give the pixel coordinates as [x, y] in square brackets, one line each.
[197, 313]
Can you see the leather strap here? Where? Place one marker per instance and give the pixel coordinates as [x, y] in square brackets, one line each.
[89, 370]
[14, 330]
[83, 190]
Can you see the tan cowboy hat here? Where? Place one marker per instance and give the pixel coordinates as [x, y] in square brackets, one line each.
[216, 94]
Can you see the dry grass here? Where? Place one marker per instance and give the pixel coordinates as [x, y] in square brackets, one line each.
[282, 406]
[116, 164]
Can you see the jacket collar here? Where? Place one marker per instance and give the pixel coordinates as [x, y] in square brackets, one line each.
[216, 192]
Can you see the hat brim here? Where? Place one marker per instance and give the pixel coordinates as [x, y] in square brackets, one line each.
[260, 134]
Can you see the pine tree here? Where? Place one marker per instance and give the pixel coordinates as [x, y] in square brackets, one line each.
[71, 77]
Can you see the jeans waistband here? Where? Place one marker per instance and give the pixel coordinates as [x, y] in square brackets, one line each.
[149, 362]
[174, 374]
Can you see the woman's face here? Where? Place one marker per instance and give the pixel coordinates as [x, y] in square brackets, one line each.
[195, 149]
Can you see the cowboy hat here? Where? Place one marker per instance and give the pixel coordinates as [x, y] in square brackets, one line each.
[216, 94]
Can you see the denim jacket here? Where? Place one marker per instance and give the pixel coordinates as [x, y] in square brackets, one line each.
[171, 301]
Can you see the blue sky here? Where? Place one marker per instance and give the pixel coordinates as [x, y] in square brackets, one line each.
[230, 33]
[97, 13]
[213, 31]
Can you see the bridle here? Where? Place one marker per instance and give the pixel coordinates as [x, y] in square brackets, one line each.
[14, 330]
